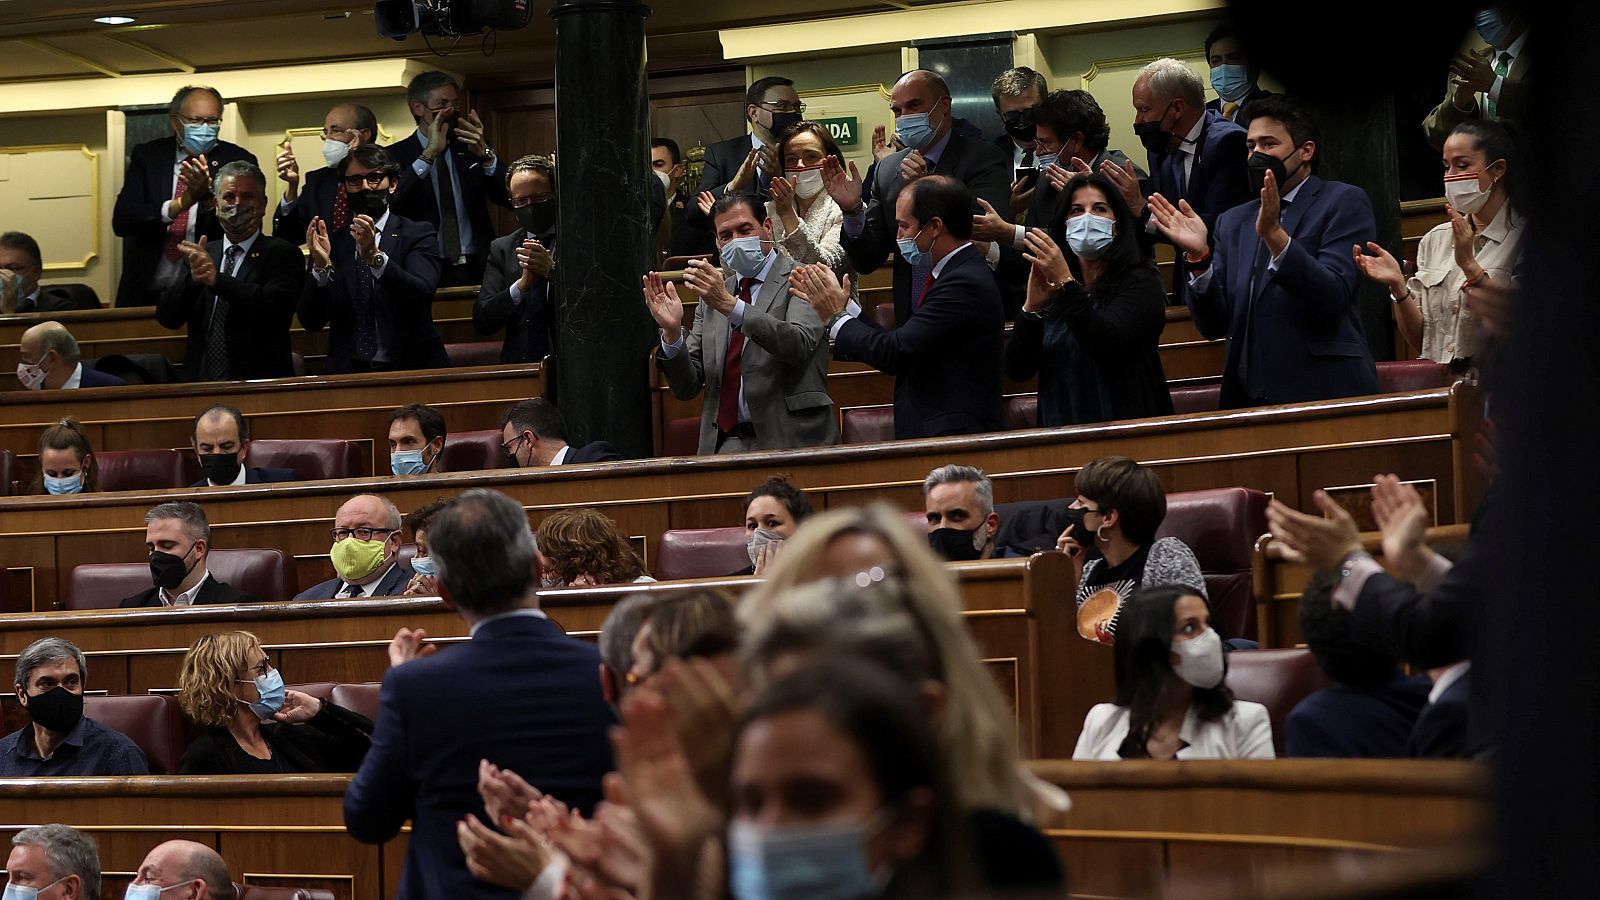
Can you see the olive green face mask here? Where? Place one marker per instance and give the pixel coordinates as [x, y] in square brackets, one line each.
[356, 559]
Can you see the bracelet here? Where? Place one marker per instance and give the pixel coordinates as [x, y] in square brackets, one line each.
[1202, 258]
[1401, 299]
[1480, 278]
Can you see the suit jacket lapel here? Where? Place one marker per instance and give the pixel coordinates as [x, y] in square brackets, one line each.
[773, 287]
[1291, 216]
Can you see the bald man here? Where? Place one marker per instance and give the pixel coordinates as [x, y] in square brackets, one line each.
[365, 552]
[48, 361]
[346, 127]
[221, 441]
[177, 864]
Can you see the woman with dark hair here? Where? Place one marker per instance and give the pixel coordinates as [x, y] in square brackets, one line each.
[805, 220]
[1091, 325]
[1482, 239]
[66, 461]
[1172, 698]
[771, 514]
[579, 547]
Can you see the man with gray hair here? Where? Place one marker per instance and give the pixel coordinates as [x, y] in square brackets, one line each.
[177, 863]
[520, 695]
[54, 862]
[366, 552]
[236, 296]
[164, 195]
[178, 538]
[48, 361]
[59, 739]
[962, 522]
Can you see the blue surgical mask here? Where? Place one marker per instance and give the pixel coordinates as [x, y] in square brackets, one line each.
[744, 255]
[148, 891]
[1230, 82]
[69, 484]
[1045, 160]
[1090, 236]
[913, 255]
[423, 565]
[407, 462]
[20, 892]
[815, 862]
[914, 130]
[1491, 27]
[270, 688]
[199, 138]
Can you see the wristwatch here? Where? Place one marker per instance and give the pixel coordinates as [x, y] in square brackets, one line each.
[377, 260]
[834, 319]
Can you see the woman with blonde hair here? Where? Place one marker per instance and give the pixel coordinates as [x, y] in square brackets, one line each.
[66, 461]
[251, 724]
[582, 547]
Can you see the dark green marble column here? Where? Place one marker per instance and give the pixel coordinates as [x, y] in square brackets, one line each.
[604, 246]
[1358, 146]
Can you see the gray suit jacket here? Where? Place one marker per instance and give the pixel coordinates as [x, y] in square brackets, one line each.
[785, 365]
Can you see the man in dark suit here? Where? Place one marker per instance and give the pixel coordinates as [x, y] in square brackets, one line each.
[1444, 729]
[518, 294]
[946, 356]
[1280, 282]
[449, 176]
[21, 292]
[366, 552]
[748, 162]
[520, 694]
[48, 360]
[236, 296]
[166, 196]
[373, 284]
[534, 433]
[1017, 93]
[677, 236]
[756, 353]
[347, 126]
[178, 538]
[1233, 77]
[921, 104]
[221, 440]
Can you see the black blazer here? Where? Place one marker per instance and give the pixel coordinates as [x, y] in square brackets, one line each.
[317, 190]
[259, 475]
[976, 163]
[528, 327]
[402, 300]
[53, 298]
[261, 300]
[92, 378]
[1444, 729]
[722, 162]
[598, 451]
[1239, 118]
[335, 740]
[687, 238]
[1357, 723]
[415, 199]
[1218, 181]
[520, 694]
[137, 216]
[945, 357]
[211, 591]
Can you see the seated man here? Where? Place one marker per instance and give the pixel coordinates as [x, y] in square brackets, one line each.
[20, 257]
[178, 537]
[962, 523]
[221, 441]
[47, 857]
[533, 433]
[175, 864]
[60, 739]
[756, 351]
[48, 360]
[372, 285]
[518, 293]
[366, 550]
[236, 296]
[416, 439]
[1373, 707]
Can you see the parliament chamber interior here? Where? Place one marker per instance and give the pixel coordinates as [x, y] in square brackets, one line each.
[473, 449]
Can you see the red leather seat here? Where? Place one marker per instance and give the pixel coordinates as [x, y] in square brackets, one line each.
[883, 313]
[1413, 375]
[266, 574]
[313, 459]
[868, 424]
[144, 470]
[8, 472]
[1196, 399]
[152, 722]
[257, 892]
[473, 451]
[1221, 527]
[361, 698]
[701, 553]
[682, 437]
[475, 353]
[1022, 411]
[1277, 679]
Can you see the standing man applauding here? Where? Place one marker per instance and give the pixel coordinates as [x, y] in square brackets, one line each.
[347, 126]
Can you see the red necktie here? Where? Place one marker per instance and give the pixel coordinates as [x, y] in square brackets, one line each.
[926, 287]
[732, 371]
[341, 209]
[177, 229]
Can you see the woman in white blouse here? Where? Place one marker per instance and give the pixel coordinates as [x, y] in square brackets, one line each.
[1172, 699]
[805, 220]
[1482, 240]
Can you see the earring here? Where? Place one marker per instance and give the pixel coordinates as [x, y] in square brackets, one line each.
[1099, 535]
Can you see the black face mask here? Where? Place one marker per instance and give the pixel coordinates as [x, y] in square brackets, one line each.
[221, 468]
[782, 122]
[1080, 529]
[1154, 138]
[953, 544]
[167, 570]
[369, 203]
[537, 218]
[58, 710]
[1019, 124]
[1260, 163]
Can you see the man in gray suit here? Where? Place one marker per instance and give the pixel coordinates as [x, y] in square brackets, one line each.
[366, 552]
[758, 352]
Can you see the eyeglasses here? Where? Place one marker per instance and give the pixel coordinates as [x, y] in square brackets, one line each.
[361, 534]
[507, 445]
[781, 106]
[524, 202]
[370, 179]
[200, 120]
[261, 670]
[447, 106]
[334, 130]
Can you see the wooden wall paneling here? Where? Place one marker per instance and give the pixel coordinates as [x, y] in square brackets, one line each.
[1110, 867]
[1416, 460]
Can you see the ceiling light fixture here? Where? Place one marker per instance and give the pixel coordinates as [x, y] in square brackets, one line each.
[115, 20]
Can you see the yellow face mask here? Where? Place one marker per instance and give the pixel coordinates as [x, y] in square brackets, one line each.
[356, 559]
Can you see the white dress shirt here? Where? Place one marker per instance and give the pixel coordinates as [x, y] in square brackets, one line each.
[1449, 329]
[364, 589]
[75, 380]
[561, 455]
[187, 597]
[1244, 733]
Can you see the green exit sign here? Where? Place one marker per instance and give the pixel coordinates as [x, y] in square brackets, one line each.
[845, 131]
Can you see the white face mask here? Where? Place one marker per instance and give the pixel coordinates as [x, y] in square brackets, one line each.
[1465, 194]
[758, 540]
[334, 152]
[1200, 660]
[32, 377]
[664, 178]
[808, 182]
